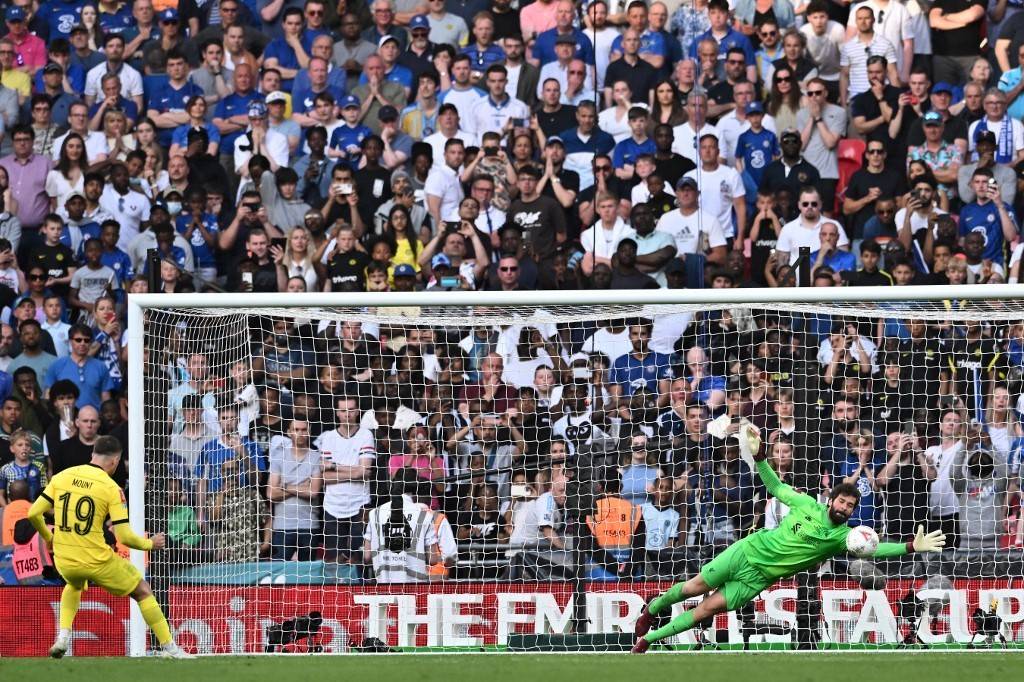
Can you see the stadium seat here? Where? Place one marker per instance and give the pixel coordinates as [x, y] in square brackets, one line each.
[851, 158]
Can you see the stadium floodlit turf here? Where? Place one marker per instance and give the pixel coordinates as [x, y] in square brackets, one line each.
[977, 666]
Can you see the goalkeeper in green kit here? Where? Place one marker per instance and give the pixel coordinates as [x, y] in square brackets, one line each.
[808, 535]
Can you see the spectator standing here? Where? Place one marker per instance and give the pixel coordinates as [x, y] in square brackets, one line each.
[348, 453]
[293, 487]
[87, 373]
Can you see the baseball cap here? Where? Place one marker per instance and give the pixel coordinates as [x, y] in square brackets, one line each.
[755, 108]
[404, 270]
[932, 118]
[72, 194]
[257, 109]
[53, 67]
[440, 261]
[14, 13]
[419, 21]
[984, 136]
[790, 132]
[277, 96]
[565, 40]
[687, 182]
[169, 15]
[387, 113]
[554, 139]
[384, 39]
[350, 101]
[942, 86]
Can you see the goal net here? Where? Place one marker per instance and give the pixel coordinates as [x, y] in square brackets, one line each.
[479, 476]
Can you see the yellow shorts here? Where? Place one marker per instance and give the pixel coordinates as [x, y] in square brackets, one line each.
[116, 575]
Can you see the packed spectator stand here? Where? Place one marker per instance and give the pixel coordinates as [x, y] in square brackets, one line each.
[290, 146]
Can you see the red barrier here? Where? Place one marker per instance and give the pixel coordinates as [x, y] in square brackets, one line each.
[232, 619]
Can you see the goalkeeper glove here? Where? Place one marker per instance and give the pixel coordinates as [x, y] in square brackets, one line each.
[750, 444]
[931, 542]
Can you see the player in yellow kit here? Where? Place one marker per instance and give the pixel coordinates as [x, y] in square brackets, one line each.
[82, 498]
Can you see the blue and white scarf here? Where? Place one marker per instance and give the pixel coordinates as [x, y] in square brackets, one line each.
[1004, 149]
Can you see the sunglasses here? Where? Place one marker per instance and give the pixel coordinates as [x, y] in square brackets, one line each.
[809, 204]
[876, 151]
[815, 93]
[81, 339]
[37, 278]
[769, 34]
[783, 79]
[509, 268]
[739, 62]
[602, 169]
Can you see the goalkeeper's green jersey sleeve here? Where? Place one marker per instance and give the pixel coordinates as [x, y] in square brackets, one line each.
[805, 537]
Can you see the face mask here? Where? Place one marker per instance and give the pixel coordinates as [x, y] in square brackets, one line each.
[174, 207]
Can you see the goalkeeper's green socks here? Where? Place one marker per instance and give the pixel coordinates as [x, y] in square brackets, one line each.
[674, 595]
[680, 623]
[69, 601]
[154, 619]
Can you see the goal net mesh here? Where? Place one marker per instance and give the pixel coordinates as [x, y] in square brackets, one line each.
[494, 478]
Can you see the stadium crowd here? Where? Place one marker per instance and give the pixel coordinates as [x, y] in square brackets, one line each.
[305, 145]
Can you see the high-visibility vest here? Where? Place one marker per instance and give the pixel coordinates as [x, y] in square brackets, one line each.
[10, 515]
[30, 559]
[614, 523]
[438, 570]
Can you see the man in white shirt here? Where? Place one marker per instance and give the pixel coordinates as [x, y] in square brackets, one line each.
[448, 126]
[131, 80]
[128, 207]
[721, 189]
[694, 230]
[442, 188]
[892, 22]
[78, 122]
[943, 505]
[824, 37]
[260, 139]
[1009, 131]
[401, 544]
[348, 454]
[854, 54]
[806, 230]
[498, 111]
[463, 94]
[686, 134]
[735, 123]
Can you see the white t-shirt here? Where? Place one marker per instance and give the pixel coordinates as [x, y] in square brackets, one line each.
[443, 182]
[601, 242]
[277, 148]
[618, 128]
[942, 500]
[894, 25]
[1016, 130]
[131, 81]
[464, 101]
[489, 117]
[95, 146]
[794, 235]
[662, 526]
[917, 221]
[612, 345]
[687, 229]
[130, 210]
[344, 499]
[684, 140]
[530, 517]
[717, 190]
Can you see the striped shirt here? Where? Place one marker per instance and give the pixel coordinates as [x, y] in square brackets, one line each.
[854, 55]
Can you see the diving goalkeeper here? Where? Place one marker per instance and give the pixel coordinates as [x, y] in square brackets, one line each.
[809, 534]
[82, 498]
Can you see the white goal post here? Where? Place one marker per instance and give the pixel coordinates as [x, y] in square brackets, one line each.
[1002, 303]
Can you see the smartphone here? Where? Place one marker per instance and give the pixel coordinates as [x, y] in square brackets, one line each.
[490, 151]
[520, 491]
[450, 282]
[451, 226]
[992, 184]
[247, 277]
[345, 187]
[519, 122]
[909, 428]
[279, 242]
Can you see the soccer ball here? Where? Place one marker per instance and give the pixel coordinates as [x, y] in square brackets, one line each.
[862, 541]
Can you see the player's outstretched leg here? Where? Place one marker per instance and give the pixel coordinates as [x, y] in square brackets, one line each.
[714, 604]
[694, 587]
[154, 618]
[69, 601]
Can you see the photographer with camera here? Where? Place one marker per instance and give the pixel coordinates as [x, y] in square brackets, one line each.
[400, 541]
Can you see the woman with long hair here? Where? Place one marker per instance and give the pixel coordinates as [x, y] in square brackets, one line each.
[196, 110]
[784, 98]
[1001, 421]
[638, 469]
[794, 56]
[69, 174]
[10, 204]
[119, 141]
[145, 136]
[668, 108]
[399, 231]
[523, 150]
[295, 259]
[91, 22]
[614, 120]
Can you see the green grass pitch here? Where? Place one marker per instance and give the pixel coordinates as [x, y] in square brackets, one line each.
[974, 666]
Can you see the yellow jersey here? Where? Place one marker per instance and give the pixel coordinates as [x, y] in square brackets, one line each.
[83, 497]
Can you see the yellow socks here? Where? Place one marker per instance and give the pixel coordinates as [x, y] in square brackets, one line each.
[153, 615]
[69, 600]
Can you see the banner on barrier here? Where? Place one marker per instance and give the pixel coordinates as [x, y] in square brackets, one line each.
[232, 619]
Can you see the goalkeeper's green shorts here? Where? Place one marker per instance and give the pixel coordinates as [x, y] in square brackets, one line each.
[734, 577]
